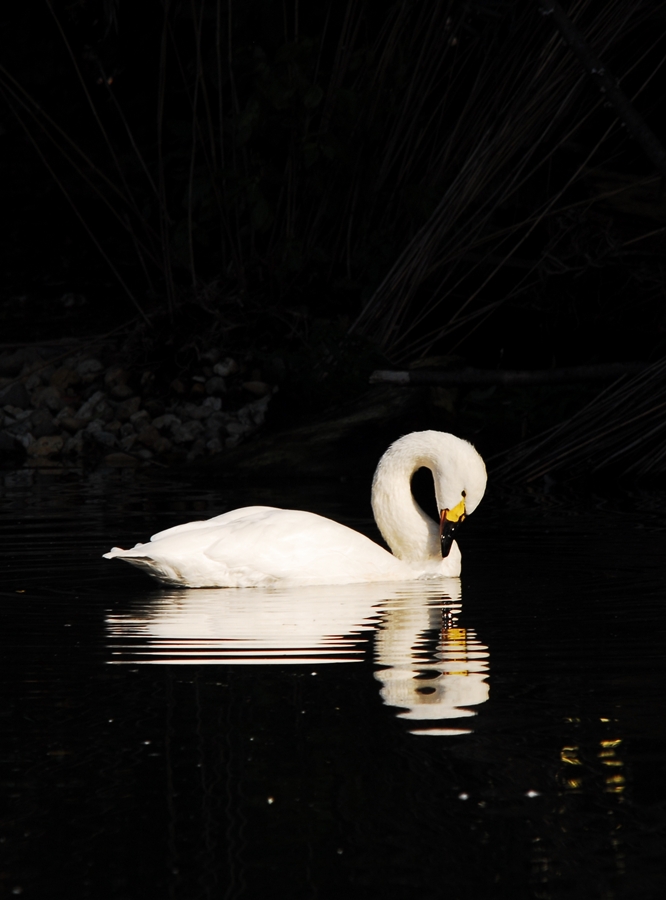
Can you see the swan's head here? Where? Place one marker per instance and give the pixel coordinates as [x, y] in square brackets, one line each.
[459, 476]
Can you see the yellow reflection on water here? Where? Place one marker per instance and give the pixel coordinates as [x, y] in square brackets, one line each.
[569, 755]
[614, 782]
[608, 756]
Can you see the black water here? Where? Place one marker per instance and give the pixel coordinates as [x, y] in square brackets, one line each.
[507, 739]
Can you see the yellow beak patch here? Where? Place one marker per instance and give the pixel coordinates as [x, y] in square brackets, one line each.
[457, 514]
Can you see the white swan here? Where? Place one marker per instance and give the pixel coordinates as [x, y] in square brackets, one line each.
[261, 545]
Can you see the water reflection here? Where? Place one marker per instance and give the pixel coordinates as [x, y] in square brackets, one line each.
[429, 667]
[431, 680]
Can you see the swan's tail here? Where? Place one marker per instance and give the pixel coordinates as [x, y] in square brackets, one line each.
[137, 557]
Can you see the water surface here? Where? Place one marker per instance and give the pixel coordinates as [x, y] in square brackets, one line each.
[501, 735]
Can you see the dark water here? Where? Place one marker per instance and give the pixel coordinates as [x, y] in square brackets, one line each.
[504, 737]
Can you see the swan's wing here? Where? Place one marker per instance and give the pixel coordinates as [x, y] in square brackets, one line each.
[301, 547]
[206, 523]
[262, 545]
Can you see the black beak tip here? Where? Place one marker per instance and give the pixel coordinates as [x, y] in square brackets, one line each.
[447, 530]
[447, 543]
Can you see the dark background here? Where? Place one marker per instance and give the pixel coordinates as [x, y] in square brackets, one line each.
[297, 185]
[334, 187]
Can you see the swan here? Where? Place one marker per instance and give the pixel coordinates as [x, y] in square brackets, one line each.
[262, 546]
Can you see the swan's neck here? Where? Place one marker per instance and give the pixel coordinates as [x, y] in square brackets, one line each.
[410, 533]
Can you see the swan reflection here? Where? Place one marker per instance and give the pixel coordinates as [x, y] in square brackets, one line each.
[429, 667]
[432, 678]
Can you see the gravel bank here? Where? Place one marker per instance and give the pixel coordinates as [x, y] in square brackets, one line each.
[61, 407]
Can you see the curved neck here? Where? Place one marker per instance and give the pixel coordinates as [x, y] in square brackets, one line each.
[411, 534]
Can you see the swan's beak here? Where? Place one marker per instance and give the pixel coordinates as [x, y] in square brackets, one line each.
[449, 521]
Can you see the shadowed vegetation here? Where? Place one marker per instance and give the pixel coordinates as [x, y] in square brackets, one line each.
[341, 184]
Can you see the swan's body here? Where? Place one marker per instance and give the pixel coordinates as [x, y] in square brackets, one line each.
[261, 545]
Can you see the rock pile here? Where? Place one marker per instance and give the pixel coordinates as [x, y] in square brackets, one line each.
[72, 410]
